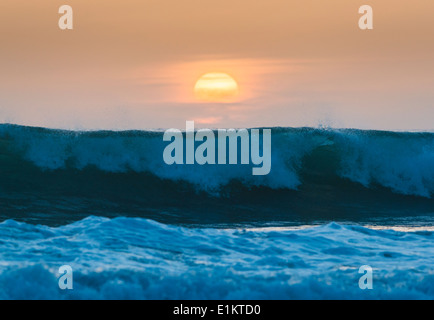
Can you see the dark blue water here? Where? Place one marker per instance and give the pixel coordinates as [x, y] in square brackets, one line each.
[132, 226]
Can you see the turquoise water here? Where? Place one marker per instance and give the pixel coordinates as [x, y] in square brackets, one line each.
[132, 227]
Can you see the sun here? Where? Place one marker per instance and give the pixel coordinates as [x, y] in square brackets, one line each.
[216, 87]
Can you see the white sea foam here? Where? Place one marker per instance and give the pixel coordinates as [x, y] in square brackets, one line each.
[127, 258]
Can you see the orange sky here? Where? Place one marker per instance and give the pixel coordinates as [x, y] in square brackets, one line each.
[133, 64]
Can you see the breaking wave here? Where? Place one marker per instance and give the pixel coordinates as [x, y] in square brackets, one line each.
[312, 171]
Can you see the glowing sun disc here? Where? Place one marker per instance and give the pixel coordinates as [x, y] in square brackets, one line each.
[216, 87]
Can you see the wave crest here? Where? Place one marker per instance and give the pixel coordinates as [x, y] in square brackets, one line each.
[403, 162]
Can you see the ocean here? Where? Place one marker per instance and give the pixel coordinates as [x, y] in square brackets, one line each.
[132, 227]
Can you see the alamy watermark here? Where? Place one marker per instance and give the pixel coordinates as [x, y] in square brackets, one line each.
[366, 21]
[365, 281]
[205, 153]
[66, 277]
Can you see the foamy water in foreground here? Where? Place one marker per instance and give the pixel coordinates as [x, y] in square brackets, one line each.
[134, 258]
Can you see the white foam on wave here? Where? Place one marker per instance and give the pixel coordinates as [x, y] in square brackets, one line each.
[402, 162]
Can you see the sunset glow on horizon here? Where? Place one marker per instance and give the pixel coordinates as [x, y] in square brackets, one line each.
[137, 65]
